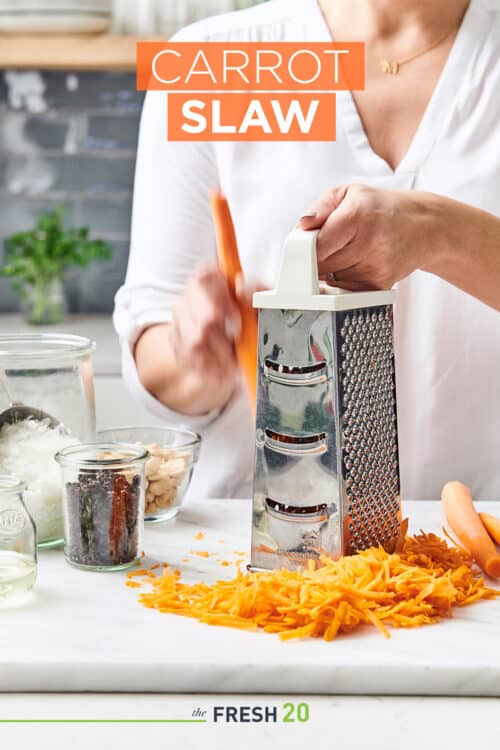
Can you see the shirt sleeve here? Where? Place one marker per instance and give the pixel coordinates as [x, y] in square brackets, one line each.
[172, 234]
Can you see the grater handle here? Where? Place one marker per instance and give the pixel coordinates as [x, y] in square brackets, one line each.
[299, 265]
[299, 287]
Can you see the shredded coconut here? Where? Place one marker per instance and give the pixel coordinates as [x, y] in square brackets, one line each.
[27, 450]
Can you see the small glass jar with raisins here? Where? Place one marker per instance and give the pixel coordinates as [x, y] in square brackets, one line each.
[103, 504]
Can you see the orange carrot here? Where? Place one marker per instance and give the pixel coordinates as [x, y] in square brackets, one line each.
[467, 525]
[492, 526]
[229, 260]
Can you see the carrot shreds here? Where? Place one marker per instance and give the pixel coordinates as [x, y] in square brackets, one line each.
[418, 585]
[137, 573]
[201, 553]
[199, 535]
[155, 566]
[133, 584]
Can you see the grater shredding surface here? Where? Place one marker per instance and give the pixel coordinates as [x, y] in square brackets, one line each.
[368, 428]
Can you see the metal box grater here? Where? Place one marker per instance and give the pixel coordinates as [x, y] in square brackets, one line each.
[326, 462]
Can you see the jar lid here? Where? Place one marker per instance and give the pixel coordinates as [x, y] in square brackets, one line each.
[22, 347]
[98, 456]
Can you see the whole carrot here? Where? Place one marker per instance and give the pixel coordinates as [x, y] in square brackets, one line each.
[467, 525]
[229, 260]
[492, 525]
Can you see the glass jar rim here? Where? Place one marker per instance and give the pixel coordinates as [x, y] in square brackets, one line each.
[192, 438]
[74, 455]
[16, 347]
[10, 484]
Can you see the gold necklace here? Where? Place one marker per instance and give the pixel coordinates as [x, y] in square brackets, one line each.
[388, 66]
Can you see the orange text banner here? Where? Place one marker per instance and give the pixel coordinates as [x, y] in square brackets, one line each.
[247, 117]
[250, 66]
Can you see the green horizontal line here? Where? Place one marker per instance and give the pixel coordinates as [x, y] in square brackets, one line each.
[103, 721]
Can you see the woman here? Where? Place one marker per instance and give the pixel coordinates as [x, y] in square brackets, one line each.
[410, 194]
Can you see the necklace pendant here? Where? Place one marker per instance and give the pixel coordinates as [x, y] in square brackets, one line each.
[390, 67]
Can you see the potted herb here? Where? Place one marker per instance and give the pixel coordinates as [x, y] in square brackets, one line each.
[37, 260]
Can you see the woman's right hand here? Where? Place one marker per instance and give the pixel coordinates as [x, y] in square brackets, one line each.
[190, 364]
[206, 322]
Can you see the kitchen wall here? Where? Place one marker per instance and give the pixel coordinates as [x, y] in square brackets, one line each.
[71, 140]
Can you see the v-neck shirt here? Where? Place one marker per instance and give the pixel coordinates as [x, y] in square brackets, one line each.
[447, 343]
[449, 82]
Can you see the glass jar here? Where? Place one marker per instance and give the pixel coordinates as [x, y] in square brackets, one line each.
[49, 379]
[18, 565]
[103, 504]
[173, 456]
[44, 302]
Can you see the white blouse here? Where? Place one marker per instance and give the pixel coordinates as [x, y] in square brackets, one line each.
[447, 343]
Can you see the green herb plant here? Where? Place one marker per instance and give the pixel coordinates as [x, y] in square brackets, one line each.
[37, 260]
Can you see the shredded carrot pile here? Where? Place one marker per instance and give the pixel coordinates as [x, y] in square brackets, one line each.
[416, 586]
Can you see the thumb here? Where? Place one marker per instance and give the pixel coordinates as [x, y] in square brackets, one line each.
[319, 212]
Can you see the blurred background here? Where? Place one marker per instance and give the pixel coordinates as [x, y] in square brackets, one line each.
[69, 117]
[68, 133]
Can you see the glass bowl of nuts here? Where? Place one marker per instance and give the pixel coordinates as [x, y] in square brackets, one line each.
[172, 457]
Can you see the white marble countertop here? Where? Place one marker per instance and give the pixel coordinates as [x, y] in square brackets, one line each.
[99, 328]
[86, 632]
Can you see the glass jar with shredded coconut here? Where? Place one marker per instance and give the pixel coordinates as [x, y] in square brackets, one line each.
[50, 379]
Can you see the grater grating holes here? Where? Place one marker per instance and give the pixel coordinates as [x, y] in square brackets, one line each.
[369, 434]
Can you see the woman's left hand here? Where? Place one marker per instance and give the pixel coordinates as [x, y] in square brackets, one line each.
[370, 238]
